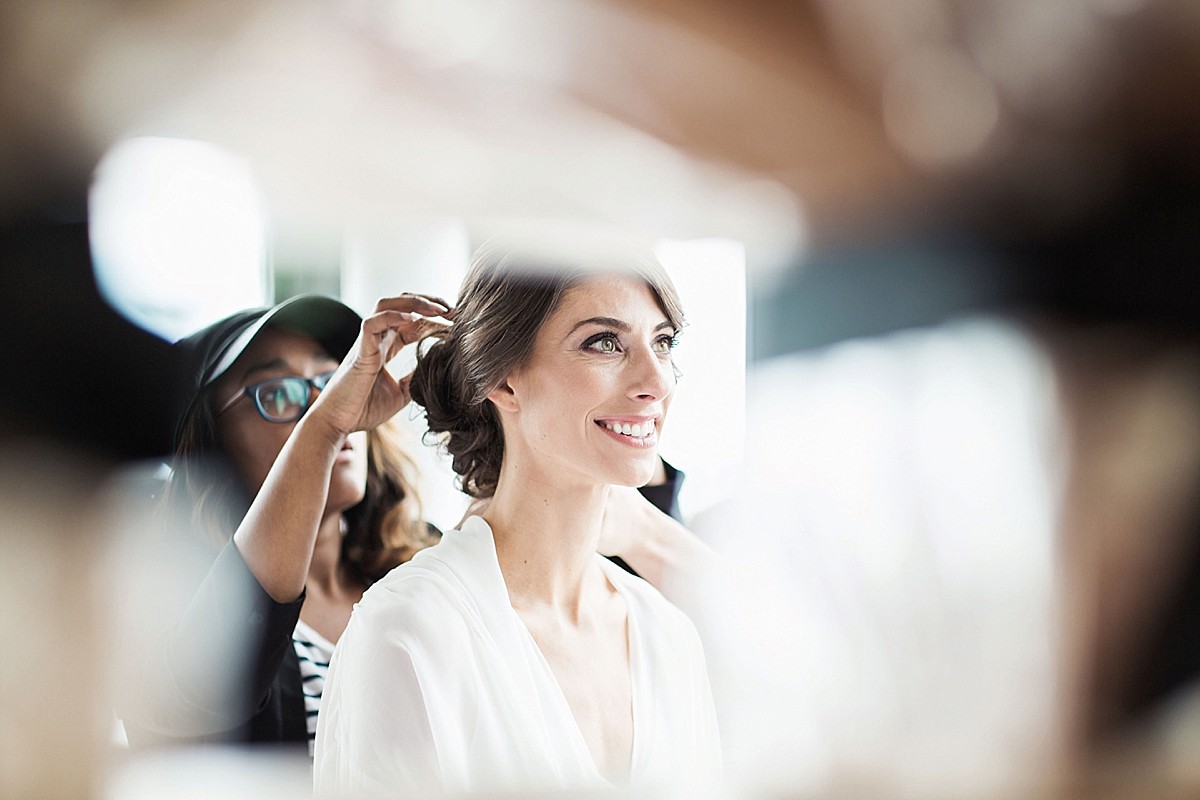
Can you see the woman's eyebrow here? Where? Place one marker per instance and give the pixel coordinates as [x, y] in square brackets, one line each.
[275, 364]
[607, 322]
[282, 363]
[612, 322]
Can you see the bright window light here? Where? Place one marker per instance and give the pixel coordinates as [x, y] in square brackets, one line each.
[178, 233]
[705, 432]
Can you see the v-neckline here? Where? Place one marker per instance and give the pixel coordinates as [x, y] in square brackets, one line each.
[632, 653]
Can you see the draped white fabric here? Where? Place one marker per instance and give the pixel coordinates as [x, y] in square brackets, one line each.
[438, 685]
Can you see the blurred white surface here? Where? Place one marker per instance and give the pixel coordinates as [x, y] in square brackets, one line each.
[890, 612]
[211, 773]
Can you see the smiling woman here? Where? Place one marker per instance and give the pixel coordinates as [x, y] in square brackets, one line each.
[507, 296]
[511, 656]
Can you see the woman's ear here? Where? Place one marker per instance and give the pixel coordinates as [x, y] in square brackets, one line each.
[503, 397]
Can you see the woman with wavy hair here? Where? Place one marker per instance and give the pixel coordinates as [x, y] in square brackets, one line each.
[285, 460]
[510, 656]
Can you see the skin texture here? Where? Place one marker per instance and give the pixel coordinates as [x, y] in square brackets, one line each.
[548, 510]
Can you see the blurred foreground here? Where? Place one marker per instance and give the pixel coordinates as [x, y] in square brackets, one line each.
[965, 559]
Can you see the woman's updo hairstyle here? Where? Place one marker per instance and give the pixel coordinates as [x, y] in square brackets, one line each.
[510, 290]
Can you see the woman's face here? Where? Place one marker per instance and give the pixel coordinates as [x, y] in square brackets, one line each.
[252, 443]
[592, 399]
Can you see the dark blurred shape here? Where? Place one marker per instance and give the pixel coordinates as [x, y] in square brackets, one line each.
[1131, 262]
[78, 372]
[867, 288]
[1082, 204]
[80, 375]
[86, 393]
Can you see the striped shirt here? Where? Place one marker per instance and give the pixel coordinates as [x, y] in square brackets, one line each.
[313, 651]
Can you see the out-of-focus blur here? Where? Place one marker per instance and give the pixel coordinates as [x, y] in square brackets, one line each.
[964, 557]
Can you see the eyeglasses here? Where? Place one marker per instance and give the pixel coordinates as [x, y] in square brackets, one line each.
[281, 399]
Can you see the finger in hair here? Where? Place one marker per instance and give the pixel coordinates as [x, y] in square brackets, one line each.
[424, 304]
[409, 326]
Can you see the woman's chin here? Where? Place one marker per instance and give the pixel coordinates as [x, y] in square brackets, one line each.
[342, 496]
[635, 475]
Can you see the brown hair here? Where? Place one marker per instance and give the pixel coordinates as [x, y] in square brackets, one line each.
[384, 529]
[510, 290]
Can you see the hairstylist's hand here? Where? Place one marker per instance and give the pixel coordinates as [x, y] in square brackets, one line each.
[363, 393]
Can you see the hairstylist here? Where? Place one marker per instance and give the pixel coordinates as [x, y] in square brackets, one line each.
[286, 461]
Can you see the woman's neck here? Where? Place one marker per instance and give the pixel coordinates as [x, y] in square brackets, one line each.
[332, 589]
[546, 536]
[325, 572]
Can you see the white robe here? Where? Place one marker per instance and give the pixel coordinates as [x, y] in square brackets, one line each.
[437, 684]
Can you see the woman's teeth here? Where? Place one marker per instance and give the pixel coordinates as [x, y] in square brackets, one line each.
[638, 430]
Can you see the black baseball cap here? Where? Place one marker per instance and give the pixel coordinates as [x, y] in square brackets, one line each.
[210, 351]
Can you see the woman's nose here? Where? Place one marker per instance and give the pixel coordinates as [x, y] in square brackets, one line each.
[652, 376]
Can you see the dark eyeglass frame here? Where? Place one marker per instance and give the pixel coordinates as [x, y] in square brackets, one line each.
[317, 382]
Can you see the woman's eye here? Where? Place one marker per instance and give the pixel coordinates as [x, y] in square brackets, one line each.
[665, 344]
[603, 343]
[274, 399]
[279, 395]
